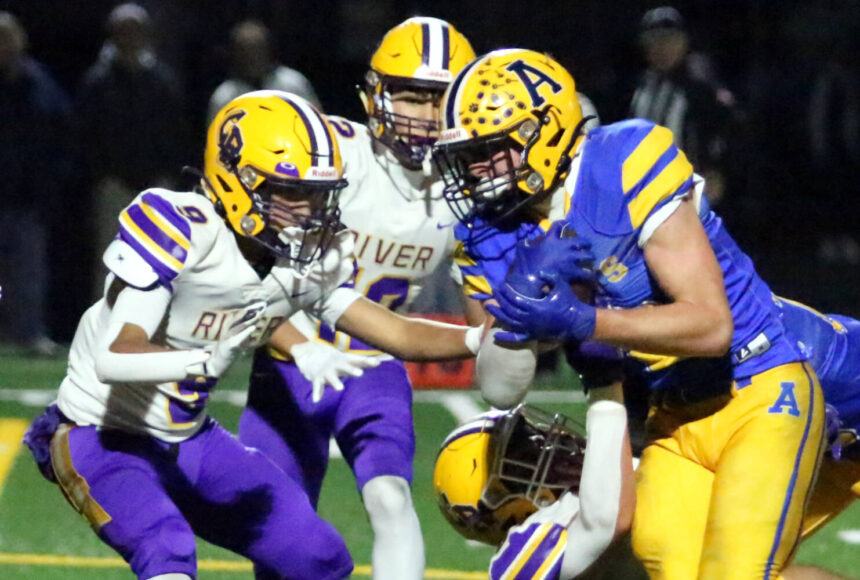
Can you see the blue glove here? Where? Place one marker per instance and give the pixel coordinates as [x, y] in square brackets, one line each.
[557, 256]
[559, 315]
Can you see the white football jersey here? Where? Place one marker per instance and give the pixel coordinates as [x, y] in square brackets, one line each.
[195, 255]
[403, 228]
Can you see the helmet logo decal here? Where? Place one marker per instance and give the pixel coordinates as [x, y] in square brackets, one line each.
[532, 78]
[230, 140]
[287, 168]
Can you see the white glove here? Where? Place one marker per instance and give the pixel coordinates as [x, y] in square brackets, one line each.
[222, 353]
[322, 365]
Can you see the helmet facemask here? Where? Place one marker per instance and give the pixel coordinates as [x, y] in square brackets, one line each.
[482, 177]
[299, 218]
[537, 457]
[409, 138]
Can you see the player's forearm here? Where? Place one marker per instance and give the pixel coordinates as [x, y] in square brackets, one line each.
[680, 328]
[131, 358]
[423, 340]
[285, 337]
[415, 339]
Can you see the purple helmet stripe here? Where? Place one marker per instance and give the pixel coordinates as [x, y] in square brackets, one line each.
[321, 142]
[451, 108]
[446, 47]
[306, 122]
[425, 44]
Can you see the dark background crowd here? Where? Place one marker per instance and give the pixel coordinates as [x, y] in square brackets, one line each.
[99, 102]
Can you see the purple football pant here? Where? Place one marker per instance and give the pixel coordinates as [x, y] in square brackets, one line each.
[371, 419]
[147, 499]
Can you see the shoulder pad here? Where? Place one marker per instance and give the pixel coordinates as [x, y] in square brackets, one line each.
[537, 546]
[122, 260]
[629, 169]
[158, 233]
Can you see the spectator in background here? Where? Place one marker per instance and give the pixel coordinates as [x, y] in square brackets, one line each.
[131, 128]
[679, 90]
[254, 67]
[33, 163]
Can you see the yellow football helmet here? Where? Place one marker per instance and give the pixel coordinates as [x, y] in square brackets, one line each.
[509, 122]
[273, 170]
[422, 55]
[500, 467]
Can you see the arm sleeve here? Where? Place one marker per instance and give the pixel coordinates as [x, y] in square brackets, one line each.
[591, 530]
[146, 309]
[336, 304]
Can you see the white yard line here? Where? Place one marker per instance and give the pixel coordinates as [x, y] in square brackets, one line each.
[849, 536]
[461, 405]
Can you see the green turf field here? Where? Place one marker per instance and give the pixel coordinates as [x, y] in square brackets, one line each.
[42, 537]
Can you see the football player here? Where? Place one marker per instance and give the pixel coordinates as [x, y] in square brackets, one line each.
[832, 344]
[729, 386]
[519, 480]
[403, 230]
[193, 280]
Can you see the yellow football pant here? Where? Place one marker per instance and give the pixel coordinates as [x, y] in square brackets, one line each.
[722, 497]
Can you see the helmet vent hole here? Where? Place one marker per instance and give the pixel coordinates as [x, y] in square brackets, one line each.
[223, 184]
[555, 139]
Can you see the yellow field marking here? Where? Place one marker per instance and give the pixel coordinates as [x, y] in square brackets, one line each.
[209, 565]
[11, 431]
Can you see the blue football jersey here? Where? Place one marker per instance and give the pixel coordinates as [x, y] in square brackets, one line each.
[832, 346]
[627, 178]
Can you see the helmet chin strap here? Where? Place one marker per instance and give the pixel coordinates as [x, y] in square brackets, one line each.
[426, 165]
[295, 238]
